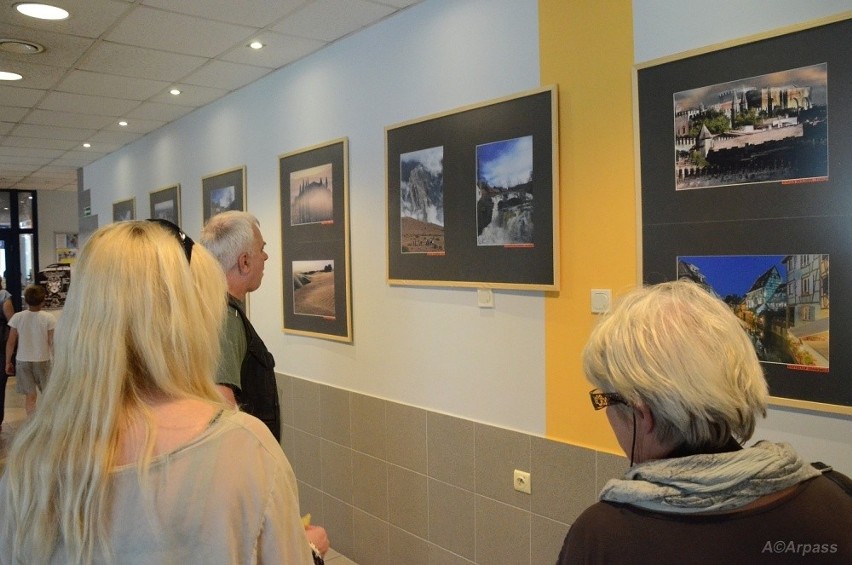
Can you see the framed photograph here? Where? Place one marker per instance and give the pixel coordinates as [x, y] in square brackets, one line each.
[472, 196]
[314, 193]
[223, 191]
[745, 190]
[66, 247]
[124, 210]
[165, 204]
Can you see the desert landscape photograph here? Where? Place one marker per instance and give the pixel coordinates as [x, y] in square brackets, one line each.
[313, 288]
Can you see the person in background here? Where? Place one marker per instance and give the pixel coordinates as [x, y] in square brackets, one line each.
[246, 375]
[32, 332]
[682, 388]
[7, 310]
[139, 460]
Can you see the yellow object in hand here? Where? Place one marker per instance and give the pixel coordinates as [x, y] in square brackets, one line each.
[306, 520]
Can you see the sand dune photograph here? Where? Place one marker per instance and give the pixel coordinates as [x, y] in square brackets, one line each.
[313, 288]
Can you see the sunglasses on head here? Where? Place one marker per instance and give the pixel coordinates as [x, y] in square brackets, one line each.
[185, 241]
[601, 400]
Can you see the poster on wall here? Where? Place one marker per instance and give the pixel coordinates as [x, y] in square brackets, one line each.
[314, 190]
[223, 191]
[66, 247]
[745, 190]
[165, 204]
[124, 210]
[472, 196]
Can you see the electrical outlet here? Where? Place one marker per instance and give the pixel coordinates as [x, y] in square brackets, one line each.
[522, 481]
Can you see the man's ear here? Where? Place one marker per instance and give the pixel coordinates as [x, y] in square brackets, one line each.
[243, 264]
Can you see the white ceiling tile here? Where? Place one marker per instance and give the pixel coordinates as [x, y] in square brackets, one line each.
[224, 75]
[13, 114]
[278, 50]
[19, 96]
[257, 13]
[53, 132]
[159, 112]
[67, 119]
[5, 127]
[108, 141]
[99, 84]
[29, 151]
[126, 60]
[88, 18]
[11, 174]
[18, 161]
[60, 50]
[75, 159]
[331, 19]
[178, 33]
[138, 125]
[190, 95]
[39, 142]
[35, 76]
[397, 3]
[85, 104]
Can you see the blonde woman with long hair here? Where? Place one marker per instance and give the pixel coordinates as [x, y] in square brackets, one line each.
[134, 456]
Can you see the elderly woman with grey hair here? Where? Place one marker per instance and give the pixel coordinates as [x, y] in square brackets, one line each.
[683, 388]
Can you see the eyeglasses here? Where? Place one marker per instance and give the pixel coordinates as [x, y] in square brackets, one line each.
[601, 400]
[185, 241]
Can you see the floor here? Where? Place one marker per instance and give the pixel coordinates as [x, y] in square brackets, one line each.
[15, 416]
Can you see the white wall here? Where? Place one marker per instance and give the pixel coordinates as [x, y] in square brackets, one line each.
[429, 347]
[57, 213]
[667, 27]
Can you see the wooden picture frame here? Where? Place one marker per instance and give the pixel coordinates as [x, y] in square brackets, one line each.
[473, 198]
[743, 166]
[165, 204]
[314, 196]
[222, 191]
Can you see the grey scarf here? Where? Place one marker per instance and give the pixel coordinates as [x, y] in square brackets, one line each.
[710, 482]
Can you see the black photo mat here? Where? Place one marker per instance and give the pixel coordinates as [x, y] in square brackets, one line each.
[223, 191]
[788, 217]
[315, 228]
[462, 134]
[124, 210]
[165, 204]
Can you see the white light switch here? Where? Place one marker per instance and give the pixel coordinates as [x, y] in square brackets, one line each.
[485, 298]
[601, 300]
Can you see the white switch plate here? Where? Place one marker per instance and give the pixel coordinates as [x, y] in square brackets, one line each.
[485, 298]
[522, 482]
[601, 300]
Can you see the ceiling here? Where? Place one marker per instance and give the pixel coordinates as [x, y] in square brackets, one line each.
[115, 60]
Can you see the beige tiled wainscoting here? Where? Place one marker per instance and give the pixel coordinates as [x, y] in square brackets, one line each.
[395, 484]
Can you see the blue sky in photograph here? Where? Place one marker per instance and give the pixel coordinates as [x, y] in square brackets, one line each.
[735, 274]
[505, 163]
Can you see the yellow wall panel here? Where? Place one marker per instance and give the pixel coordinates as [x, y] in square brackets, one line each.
[587, 50]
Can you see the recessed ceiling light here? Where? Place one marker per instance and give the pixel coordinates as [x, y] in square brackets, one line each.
[87, 145]
[174, 91]
[6, 75]
[256, 45]
[122, 123]
[20, 46]
[41, 11]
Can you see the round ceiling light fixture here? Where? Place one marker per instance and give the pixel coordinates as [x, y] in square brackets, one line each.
[41, 11]
[20, 46]
[6, 75]
[256, 45]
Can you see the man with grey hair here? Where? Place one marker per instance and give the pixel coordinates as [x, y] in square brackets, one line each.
[246, 374]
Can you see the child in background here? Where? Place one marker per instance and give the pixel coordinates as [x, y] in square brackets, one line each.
[32, 331]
